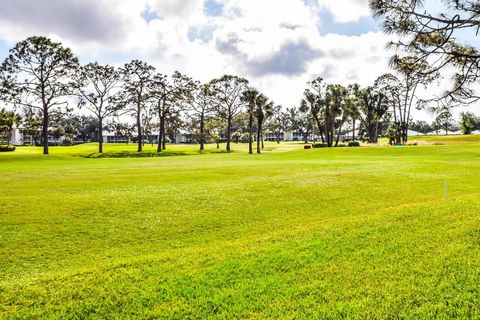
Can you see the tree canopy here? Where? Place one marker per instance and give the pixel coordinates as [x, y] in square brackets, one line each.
[435, 37]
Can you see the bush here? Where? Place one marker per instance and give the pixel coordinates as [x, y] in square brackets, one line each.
[319, 145]
[68, 141]
[341, 145]
[354, 144]
[307, 147]
[7, 148]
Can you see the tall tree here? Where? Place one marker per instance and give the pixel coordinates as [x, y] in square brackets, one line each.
[413, 73]
[137, 77]
[32, 122]
[264, 109]
[167, 94]
[314, 102]
[398, 97]
[97, 86]
[374, 107]
[200, 109]
[299, 122]
[274, 122]
[445, 120]
[433, 34]
[36, 74]
[335, 115]
[213, 127]
[87, 128]
[228, 94]
[466, 122]
[352, 106]
[250, 96]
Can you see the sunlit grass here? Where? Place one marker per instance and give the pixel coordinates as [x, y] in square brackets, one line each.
[290, 234]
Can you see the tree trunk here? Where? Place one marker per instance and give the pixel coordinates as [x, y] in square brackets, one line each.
[328, 132]
[161, 130]
[202, 131]
[229, 130]
[338, 134]
[139, 128]
[100, 135]
[259, 135]
[45, 130]
[164, 140]
[353, 132]
[371, 133]
[250, 130]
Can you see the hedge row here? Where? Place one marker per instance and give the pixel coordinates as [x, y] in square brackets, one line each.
[4, 148]
[324, 145]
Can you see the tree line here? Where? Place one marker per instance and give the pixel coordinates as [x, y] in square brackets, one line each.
[43, 78]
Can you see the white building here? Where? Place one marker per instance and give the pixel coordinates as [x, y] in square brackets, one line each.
[18, 137]
[181, 136]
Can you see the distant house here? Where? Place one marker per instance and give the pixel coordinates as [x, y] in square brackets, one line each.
[19, 136]
[112, 137]
[182, 136]
[412, 133]
[349, 135]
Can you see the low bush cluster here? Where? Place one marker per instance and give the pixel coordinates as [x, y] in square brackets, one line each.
[354, 144]
[319, 145]
[4, 148]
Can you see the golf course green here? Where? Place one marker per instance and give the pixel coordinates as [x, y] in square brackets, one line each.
[373, 232]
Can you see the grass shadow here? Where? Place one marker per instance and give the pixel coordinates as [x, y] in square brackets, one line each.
[148, 154]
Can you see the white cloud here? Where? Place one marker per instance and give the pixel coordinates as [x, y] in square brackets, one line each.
[346, 10]
[275, 44]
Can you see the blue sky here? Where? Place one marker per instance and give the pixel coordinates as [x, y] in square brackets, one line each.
[277, 45]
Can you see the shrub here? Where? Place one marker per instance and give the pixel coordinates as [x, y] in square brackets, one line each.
[307, 147]
[341, 145]
[7, 148]
[319, 145]
[354, 144]
[68, 141]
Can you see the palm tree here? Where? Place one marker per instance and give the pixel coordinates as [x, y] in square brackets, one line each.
[7, 120]
[264, 109]
[250, 95]
[352, 105]
[334, 112]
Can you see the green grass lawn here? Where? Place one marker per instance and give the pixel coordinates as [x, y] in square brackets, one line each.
[290, 234]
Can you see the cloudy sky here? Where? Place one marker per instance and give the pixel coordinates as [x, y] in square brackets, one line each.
[278, 45]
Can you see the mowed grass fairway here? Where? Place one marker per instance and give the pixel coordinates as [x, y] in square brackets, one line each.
[290, 234]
